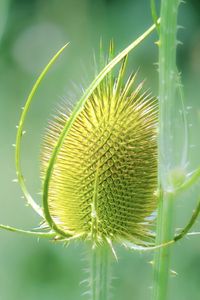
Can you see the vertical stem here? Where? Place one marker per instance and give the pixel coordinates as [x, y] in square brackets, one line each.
[100, 273]
[162, 256]
[167, 87]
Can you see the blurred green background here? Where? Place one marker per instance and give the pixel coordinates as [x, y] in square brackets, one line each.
[30, 33]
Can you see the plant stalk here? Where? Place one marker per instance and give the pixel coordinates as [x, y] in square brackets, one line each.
[167, 88]
[100, 273]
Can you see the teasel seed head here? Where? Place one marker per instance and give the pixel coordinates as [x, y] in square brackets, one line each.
[104, 181]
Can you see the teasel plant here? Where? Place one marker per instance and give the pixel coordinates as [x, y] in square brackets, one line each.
[102, 168]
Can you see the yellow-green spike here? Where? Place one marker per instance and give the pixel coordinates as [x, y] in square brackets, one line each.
[105, 176]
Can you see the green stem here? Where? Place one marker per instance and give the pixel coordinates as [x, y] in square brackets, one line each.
[162, 255]
[167, 87]
[100, 273]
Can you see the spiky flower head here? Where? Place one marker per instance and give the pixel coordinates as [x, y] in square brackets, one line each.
[104, 178]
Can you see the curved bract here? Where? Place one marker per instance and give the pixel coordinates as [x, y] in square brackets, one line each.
[104, 179]
[19, 135]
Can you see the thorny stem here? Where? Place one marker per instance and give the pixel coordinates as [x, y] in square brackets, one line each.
[162, 255]
[100, 273]
[167, 75]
